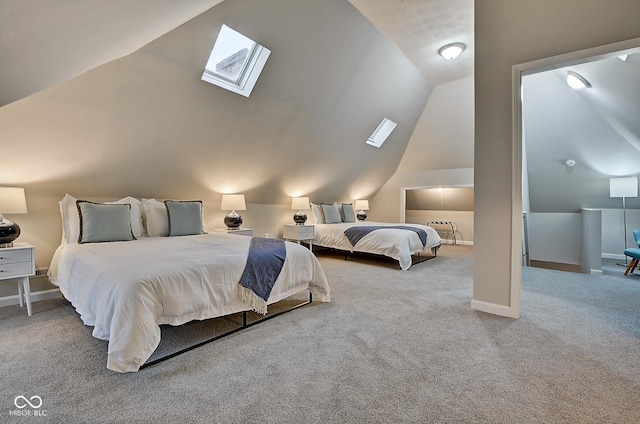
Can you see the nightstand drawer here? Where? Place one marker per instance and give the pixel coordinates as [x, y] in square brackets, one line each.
[298, 232]
[16, 269]
[14, 255]
[305, 233]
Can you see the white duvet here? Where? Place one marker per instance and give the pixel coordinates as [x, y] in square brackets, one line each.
[392, 242]
[127, 289]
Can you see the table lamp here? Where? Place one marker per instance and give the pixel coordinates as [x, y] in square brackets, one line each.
[12, 200]
[233, 203]
[363, 205]
[299, 203]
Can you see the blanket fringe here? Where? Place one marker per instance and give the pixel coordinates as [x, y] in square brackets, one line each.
[256, 303]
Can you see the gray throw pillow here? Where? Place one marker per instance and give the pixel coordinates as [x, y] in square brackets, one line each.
[348, 214]
[331, 214]
[104, 222]
[185, 218]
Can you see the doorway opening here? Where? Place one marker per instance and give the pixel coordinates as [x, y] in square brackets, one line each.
[521, 194]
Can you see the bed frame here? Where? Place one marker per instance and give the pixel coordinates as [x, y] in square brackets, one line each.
[245, 324]
[415, 259]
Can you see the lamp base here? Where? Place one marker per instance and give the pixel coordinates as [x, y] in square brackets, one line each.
[9, 231]
[300, 217]
[362, 216]
[233, 220]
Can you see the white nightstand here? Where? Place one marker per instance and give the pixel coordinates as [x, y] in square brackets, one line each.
[238, 232]
[299, 233]
[17, 263]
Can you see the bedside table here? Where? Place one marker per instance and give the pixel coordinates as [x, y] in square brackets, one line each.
[238, 232]
[299, 233]
[17, 263]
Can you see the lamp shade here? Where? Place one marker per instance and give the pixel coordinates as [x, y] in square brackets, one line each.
[233, 202]
[299, 203]
[362, 205]
[12, 200]
[623, 187]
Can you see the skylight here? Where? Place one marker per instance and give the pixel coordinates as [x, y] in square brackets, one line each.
[381, 133]
[235, 62]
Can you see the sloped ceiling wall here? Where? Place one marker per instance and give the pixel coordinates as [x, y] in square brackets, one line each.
[41, 48]
[146, 125]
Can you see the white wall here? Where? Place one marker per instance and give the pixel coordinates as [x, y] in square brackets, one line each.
[463, 223]
[613, 231]
[555, 237]
[443, 136]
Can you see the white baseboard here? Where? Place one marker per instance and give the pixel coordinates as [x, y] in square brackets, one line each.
[613, 256]
[35, 296]
[463, 242]
[491, 308]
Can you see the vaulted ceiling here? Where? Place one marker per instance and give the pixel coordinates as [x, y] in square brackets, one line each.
[52, 42]
[45, 46]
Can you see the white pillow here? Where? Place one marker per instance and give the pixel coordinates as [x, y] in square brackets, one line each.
[317, 213]
[155, 218]
[70, 220]
[136, 214]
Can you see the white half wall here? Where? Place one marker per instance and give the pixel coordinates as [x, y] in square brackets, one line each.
[555, 237]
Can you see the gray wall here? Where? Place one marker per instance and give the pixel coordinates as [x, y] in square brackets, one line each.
[146, 125]
[509, 33]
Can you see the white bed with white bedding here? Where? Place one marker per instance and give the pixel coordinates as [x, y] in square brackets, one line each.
[126, 279]
[125, 290]
[399, 244]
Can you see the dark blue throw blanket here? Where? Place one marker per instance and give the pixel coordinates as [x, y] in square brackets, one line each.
[354, 234]
[264, 263]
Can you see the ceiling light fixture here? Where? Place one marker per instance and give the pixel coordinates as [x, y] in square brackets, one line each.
[577, 81]
[451, 51]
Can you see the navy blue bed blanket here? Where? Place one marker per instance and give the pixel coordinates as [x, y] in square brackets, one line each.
[354, 234]
[264, 263]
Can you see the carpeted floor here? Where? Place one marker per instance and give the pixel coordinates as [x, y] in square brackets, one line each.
[392, 347]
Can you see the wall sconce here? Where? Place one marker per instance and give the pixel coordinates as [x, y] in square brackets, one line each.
[363, 205]
[233, 203]
[381, 133]
[12, 200]
[299, 203]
